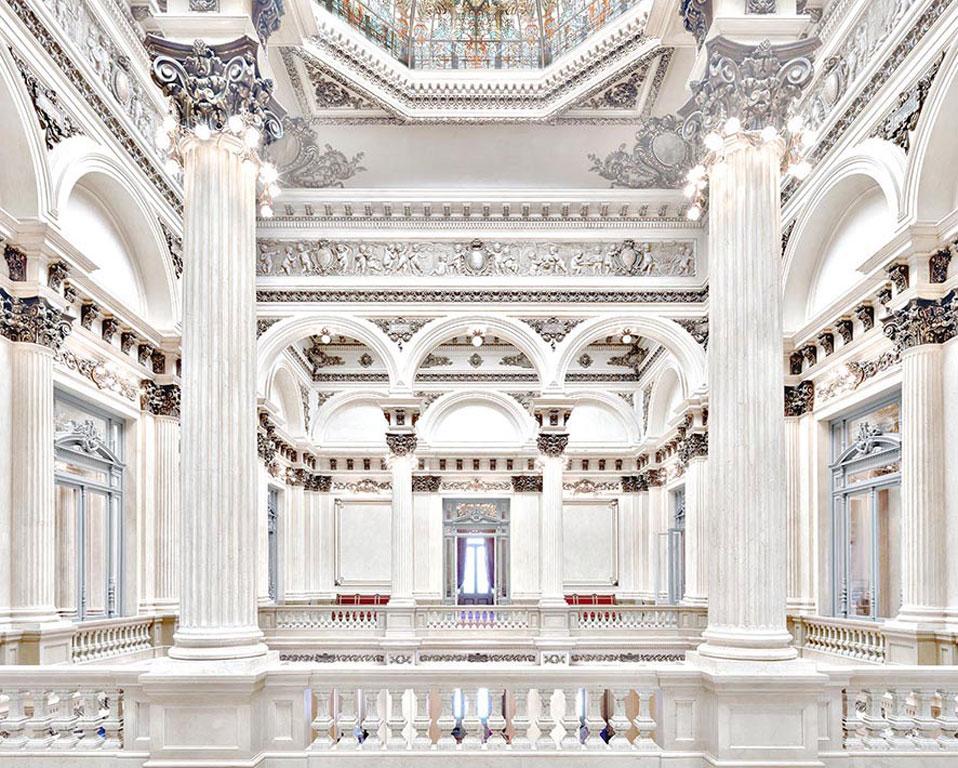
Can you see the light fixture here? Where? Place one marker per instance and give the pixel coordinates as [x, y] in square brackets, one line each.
[626, 336]
[694, 213]
[266, 211]
[478, 336]
[268, 173]
[769, 133]
[251, 137]
[202, 131]
[163, 139]
[325, 337]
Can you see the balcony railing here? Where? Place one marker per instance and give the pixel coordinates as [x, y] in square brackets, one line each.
[857, 641]
[113, 638]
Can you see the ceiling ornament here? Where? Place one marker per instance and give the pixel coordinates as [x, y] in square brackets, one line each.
[698, 327]
[432, 360]
[55, 121]
[519, 360]
[633, 358]
[622, 94]
[659, 159]
[318, 357]
[303, 163]
[400, 329]
[552, 330]
[697, 18]
[174, 244]
[589, 486]
[329, 92]
[479, 296]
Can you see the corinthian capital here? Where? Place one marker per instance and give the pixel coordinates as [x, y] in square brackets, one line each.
[401, 443]
[924, 321]
[210, 84]
[160, 399]
[33, 320]
[552, 443]
[760, 85]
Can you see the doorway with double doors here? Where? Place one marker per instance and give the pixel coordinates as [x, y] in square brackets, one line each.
[476, 551]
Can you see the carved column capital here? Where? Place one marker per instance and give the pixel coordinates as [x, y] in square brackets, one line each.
[654, 478]
[526, 483]
[923, 321]
[694, 446]
[552, 443]
[426, 483]
[160, 399]
[800, 399]
[634, 484]
[401, 443]
[759, 85]
[209, 84]
[318, 483]
[33, 320]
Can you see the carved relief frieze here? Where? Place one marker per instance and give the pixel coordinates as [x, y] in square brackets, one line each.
[854, 374]
[55, 121]
[656, 258]
[433, 360]
[33, 320]
[632, 358]
[400, 329]
[519, 360]
[587, 486]
[366, 485]
[302, 162]
[97, 372]
[660, 158]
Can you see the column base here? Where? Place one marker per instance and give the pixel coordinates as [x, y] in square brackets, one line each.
[735, 644]
[213, 645]
[695, 601]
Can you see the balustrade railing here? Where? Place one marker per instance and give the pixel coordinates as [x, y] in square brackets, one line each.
[632, 617]
[345, 618]
[112, 638]
[859, 641]
[477, 617]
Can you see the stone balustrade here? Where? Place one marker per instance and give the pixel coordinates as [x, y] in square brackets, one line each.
[829, 637]
[113, 638]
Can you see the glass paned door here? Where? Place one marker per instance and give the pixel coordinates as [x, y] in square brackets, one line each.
[476, 570]
[272, 542]
[860, 564]
[67, 500]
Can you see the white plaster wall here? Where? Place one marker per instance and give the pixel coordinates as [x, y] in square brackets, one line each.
[355, 424]
[590, 543]
[524, 512]
[363, 544]
[427, 541]
[477, 423]
[594, 424]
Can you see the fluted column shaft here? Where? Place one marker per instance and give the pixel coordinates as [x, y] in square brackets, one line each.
[295, 535]
[550, 532]
[166, 512]
[922, 485]
[402, 530]
[33, 544]
[800, 535]
[218, 590]
[696, 534]
[746, 413]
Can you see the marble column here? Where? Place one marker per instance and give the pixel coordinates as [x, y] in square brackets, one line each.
[801, 558]
[294, 536]
[38, 330]
[920, 328]
[222, 120]
[401, 463]
[635, 546]
[695, 452]
[744, 116]
[551, 550]
[657, 523]
[163, 403]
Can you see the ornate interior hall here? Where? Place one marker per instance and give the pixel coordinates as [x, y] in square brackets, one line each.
[513, 383]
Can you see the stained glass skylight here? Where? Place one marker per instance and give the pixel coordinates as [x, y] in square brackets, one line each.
[477, 34]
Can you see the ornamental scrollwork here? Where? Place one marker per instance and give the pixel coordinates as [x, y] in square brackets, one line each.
[800, 399]
[401, 443]
[552, 444]
[16, 263]
[99, 374]
[759, 85]
[160, 399]
[923, 321]
[400, 329]
[938, 263]
[654, 478]
[634, 484]
[57, 272]
[659, 159]
[33, 320]
[54, 121]
[552, 329]
[309, 165]
[267, 15]
[693, 446]
[901, 122]
[210, 84]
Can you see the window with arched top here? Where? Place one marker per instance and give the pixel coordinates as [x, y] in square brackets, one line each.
[866, 512]
[88, 472]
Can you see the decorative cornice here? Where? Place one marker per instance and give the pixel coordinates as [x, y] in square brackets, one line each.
[210, 84]
[526, 483]
[426, 483]
[800, 399]
[33, 320]
[552, 444]
[401, 443]
[923, 321]
[480, 296]
[103, 377]
[160, 399]
[759, 85]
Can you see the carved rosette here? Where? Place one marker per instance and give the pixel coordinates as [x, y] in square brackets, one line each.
[33, 320]
[160, 399]
[800, 399]
[923, 321]
[552, 443]
[634, 484]
[318, 483]
[526, 483]
[759, 85]
[401, 443]
[426, 483]
[210, 84]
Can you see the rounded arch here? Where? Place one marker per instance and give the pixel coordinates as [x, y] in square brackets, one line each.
[601, 420]
[513, 331]
[859, 201]
[490, 420]
[284, 392]
[351, 420]
[289, 330]
[686, 350]
[25, 182]
[932, 194]
[667, 391]
[84, 175]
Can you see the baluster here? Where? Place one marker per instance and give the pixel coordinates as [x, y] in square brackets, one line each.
[496, 721]
[469, 721]
[926, 725]
[113, 723]
[65, 720]
[900, 722]
[396, 721]
[644, 721]
[347, 720]
[594, 722]
[948, 719]
[570, 721]
[619, 721]
[323, 721]
[873, 720]
[851, 720]
[38, 726]
[91, 718]
[545, 721]
[521, 724]
[446, 721]
[372, 721]
[421, 720]
[15, 721]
